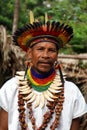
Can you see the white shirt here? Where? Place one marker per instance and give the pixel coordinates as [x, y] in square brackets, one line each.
[74, 106]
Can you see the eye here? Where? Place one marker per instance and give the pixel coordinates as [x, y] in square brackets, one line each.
[52, 50]
[40, 48]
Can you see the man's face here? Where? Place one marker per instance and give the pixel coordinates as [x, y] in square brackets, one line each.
[43, 55]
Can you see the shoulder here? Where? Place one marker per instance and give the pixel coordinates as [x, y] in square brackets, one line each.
[72, 90]
[73, 93]
[70, 86]
[8, 93]
[74, 96]
[10, 85]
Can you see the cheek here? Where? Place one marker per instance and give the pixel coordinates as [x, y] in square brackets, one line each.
[35, 58]
[54, 57]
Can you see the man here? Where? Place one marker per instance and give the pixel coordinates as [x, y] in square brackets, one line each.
[40, 98]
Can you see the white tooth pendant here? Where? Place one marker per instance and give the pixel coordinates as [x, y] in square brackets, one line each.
[20, 77]
[24, 87]
[57, 77]
[22, 83]
[54, 90]
[32, 99]
[27, 91]
[50, 94]
[56, 87]
[37, 101]
[22, 73]
[57, 82]
[29, 96]
[42, 100]
[47, 96]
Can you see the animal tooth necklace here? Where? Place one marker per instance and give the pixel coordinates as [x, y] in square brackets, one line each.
[53, 94]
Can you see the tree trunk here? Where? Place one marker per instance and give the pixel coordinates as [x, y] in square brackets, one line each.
[16, 16]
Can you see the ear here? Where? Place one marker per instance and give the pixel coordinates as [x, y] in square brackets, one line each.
[29, 54]
[57, 57]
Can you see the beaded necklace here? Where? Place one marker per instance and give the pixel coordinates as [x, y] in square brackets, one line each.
[40, 82]
[54, 97]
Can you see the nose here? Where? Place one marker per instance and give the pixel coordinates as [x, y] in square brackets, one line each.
[45, 54]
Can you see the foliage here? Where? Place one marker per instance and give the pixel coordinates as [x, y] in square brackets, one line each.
[79, 43]
[6, 13]
[82, 65]
[73, 12]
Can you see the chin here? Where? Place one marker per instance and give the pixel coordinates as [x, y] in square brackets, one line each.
[43, 70]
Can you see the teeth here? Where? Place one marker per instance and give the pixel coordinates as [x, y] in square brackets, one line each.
[57, 82]
[55, 87]
[32, 99]
[20, 77]
[42, 100]
[24, 87]
[53, 90]
[50, 94]
[26, 92]
[20, 73]
[47, 97]
[37, 101]
[22, 82]
[29, 96]
[57, 77]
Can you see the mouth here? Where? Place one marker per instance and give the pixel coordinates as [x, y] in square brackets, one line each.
[45, 61]
[45, 64]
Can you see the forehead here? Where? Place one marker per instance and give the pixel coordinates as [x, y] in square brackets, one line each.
[43, 40]
[45, 44]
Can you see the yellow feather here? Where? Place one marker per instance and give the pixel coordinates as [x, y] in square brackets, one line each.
[46, 17]
[31, 17]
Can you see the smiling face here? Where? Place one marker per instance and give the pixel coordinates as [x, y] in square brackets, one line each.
[43, 56]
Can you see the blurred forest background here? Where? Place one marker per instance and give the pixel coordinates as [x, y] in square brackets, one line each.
[73, 57]
[73, 12]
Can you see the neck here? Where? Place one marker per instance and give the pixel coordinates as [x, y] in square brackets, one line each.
[41, 80]
[41, 75]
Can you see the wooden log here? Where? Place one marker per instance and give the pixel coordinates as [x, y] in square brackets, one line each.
[78, 57]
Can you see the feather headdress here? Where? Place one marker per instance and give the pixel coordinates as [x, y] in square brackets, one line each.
[33, 33]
